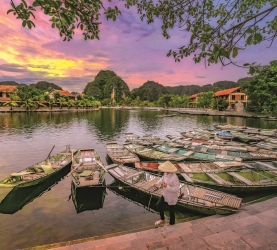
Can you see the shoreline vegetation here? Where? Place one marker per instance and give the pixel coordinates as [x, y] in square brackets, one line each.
[191, 111]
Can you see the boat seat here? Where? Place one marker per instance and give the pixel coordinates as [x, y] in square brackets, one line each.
[131, 175]
[242, 179]
[150, 184]
[172, 150]
[47, 168]
[218, 180]
[145, 150]
[85, 173]
[189, 153]
[268, 166]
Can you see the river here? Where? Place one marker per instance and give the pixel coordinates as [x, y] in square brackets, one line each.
[49, 215]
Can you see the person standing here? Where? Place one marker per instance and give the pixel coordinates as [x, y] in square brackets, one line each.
[171, 185]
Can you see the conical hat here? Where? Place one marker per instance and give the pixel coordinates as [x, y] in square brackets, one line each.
[167, 167]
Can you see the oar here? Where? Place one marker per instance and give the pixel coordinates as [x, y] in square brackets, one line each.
[101, 165]
[49, 153]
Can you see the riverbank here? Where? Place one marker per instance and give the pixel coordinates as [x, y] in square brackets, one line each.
[254, 227]
[190, 111]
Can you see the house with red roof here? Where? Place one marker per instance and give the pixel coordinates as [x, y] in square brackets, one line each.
[63, 93]
[232, 95]
[5, 92]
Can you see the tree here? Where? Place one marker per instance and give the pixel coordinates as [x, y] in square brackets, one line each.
[220, 104]
[262, 89]
[218, 29]
[12, 103]
[205, 99]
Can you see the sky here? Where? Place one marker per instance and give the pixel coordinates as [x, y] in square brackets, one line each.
[134, 50]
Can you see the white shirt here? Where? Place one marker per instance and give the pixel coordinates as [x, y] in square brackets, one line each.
[171, 192]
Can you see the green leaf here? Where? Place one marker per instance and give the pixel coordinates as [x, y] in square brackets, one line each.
[29, 24]
[258, 37]
[24, 23]
[235, 52]
[252, 70]
[10, 10]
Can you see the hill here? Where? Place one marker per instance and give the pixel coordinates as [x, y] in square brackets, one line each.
[107, 85]
[149, 91]
[43, 85]
[10, 83]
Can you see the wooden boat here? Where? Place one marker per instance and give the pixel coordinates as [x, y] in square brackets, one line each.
[222, 134]
[268, 132]
[232, 177]
[193, 198]
[244, 137]
[87, 169]
[192, 155]
[194, 135]
[119, 154]
[19, 197]
[165, 115]
[267, 145]
[231, 127]
[131, 137]
[244, 155]
[87, 198]
[153, 154]
[236, 182]
[40, 171]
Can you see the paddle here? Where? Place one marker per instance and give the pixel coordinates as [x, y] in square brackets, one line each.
[101, 165]
[49, 153]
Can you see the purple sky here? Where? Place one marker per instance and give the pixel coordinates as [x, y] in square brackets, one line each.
[134, 50]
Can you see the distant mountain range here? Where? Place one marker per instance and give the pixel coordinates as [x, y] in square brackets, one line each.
[40, 85]
[108, 85]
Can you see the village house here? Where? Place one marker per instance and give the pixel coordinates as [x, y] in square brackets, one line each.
[63, 93]
[5, 92]
[233, 96]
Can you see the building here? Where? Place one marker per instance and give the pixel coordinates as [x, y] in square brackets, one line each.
[63, 93]
[233, 96]
[5, 92]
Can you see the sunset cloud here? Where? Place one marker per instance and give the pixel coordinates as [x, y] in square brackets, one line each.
[134, 50]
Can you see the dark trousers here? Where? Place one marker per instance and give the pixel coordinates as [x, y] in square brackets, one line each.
[171, 208]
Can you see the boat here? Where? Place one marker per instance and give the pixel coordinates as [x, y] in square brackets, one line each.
[87, 169]
[267, 145]
[225, 135]
[268, 132]
[193, 198]
[40, 171]
[19, 197]
[119, 154]
[131, 137]
[194, 135]
[243, 154]
[153, 154]
[230, 127]
[88, 198]
[240, 136]
[192, 155]
[165, 115]
[231, 177]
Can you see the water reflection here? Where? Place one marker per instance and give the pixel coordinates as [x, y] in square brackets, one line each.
[18, 197]
[88, 198]
[108, 123]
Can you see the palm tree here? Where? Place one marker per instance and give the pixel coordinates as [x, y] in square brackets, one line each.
[29, 103]
[12, 103]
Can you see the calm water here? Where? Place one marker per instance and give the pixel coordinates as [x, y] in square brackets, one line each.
[28, 219]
